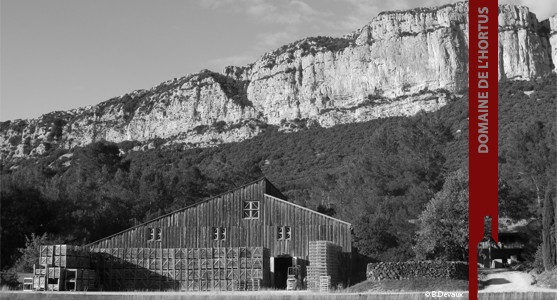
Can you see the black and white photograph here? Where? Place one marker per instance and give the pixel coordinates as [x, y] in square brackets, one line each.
[269, 149]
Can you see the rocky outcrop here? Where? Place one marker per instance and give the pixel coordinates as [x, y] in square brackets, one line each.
[551, 31]
[523, 47]
[398, 64]
[199, 110]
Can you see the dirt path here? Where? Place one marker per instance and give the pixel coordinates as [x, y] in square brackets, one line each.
[507, 281]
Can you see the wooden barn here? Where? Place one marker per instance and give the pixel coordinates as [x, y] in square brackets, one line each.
[245, 238]
[503, 254]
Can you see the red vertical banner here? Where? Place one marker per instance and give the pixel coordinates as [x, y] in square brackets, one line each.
[483, 101]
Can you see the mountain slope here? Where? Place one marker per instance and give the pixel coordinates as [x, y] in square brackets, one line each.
[377, 174]
[400, 63]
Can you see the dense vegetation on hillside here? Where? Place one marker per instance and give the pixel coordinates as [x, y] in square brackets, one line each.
[378, 175]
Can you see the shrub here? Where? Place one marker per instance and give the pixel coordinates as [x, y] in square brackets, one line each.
[5, 125]
[9, 279]
[15, 140]
[200, 129]
[219, 126]
[30, 254]
[56, 130]
[129, 106]
[538, 260]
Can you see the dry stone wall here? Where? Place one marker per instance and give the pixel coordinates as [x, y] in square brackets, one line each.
[417, 269]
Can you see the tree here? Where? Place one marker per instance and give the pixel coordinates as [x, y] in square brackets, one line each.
[24, 210]
[374, 238]
[532, 152]
[443, 225]
[400, 169]
[30, 254]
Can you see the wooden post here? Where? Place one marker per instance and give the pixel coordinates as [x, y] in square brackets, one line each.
[489, 254]
[272, 271]
[161, 277]
[135, 267]
[46, 278]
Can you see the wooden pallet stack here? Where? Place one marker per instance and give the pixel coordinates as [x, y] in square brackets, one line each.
[40, 274]
[47, 278]
[63, 267]
[253, 285]
[69, 256]
[324, 283]
[65, 256]
[46, 255]
[199, 269]
[80, 279]
[56, 278]
[323, 269]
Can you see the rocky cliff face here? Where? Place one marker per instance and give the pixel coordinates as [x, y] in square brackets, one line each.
[524, 49]
[551, 30]
[398, 64]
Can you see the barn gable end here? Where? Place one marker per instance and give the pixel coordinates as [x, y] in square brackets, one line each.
[252, 215]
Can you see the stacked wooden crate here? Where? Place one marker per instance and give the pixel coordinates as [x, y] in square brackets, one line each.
[65, 256]
[199, 269]
[253, 285]
[46, 255]
[69, 256]
[56, 278]
[324, 283]
[322, 272]
[80, 279]
[57, 261]
[40, 274]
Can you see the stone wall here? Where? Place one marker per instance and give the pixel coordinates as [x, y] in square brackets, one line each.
[417, 269]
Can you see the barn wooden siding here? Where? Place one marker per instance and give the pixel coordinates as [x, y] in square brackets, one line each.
[192, 227]
[307, 225]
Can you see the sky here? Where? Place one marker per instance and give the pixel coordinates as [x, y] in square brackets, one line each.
[65, 54]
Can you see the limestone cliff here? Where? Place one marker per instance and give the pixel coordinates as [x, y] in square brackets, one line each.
[396, 65]
[551, 31]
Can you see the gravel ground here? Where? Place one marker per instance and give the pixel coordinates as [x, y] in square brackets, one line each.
[511, 281]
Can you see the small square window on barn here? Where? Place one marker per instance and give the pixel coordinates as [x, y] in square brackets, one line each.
[219, 233]
[280, 233]
[155, 234]
[216, 233]
[287, 232]
[284, 233]
[251, 210]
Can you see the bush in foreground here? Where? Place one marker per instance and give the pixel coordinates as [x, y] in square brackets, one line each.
[547, 279]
